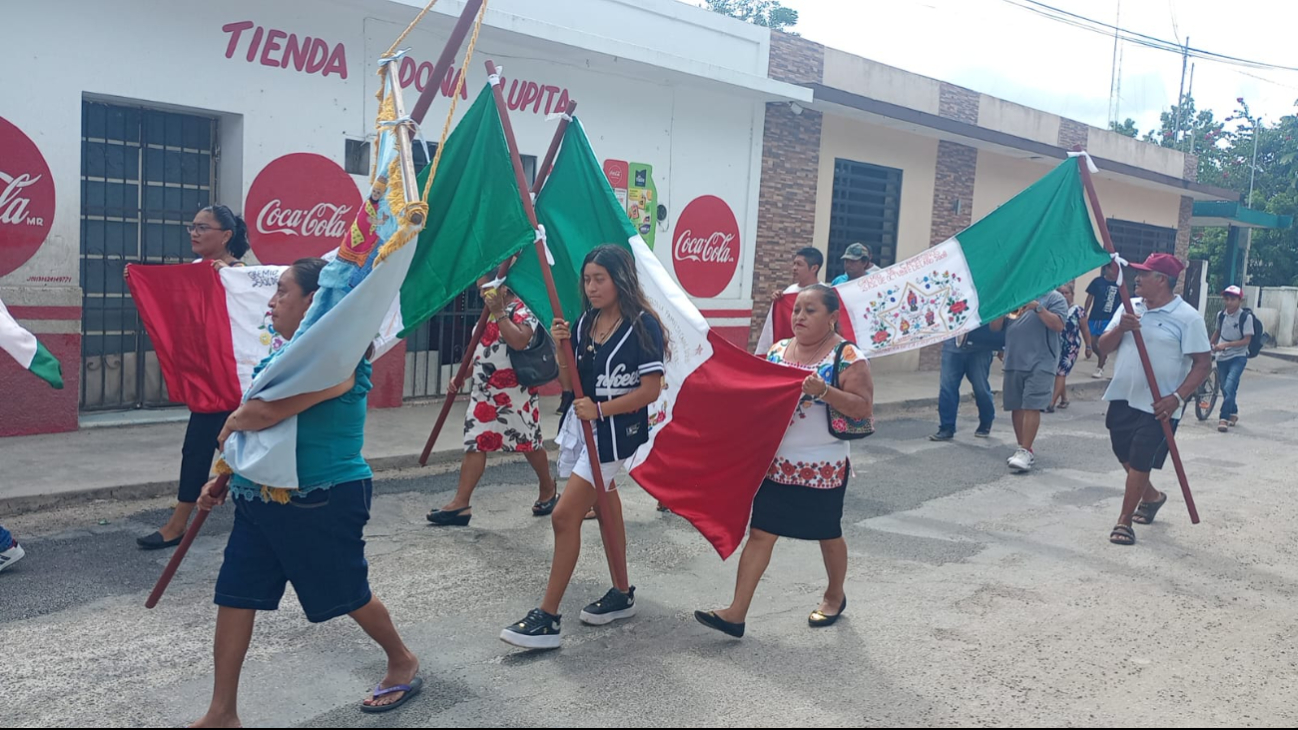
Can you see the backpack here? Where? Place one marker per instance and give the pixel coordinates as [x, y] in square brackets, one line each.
[1259, 332]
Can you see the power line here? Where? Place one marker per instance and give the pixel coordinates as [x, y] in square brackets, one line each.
[1096, 26]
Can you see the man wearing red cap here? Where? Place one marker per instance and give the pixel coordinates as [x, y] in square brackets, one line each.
[1180, 353]
[1231, 343]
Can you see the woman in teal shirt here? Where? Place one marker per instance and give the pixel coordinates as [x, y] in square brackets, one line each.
[311, 536]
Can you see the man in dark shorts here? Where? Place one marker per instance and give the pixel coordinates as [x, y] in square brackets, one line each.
[1102, 302]
[1177, 340]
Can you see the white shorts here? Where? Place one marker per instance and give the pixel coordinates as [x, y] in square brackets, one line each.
[573, 458]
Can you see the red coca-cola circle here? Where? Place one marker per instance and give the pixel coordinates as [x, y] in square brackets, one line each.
[705, 250]
[26, 198]
[617, 172]
[300, 205]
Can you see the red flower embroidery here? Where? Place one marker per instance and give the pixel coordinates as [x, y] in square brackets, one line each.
[490, 441]
[959, 307]
[525, 447]
[807, 474]
[840, 424]
[502, 400]
[880, 337]
[828, 471]
[788, 468]
[485, 412]
[505, 378]
[490, 334]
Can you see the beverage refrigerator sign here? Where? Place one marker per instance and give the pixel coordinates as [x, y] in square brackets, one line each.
[26, 198]
[705, 251]
[300, 205]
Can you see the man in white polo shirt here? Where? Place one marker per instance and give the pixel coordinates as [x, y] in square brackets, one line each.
[1177, 341]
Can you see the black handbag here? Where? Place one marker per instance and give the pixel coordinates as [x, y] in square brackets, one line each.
[536, 364]
[844, 427]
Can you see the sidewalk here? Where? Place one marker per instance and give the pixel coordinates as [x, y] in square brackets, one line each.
[1284, 353]
[134, 461]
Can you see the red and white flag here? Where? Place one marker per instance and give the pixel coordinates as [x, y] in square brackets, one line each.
[212, 329]
[779, 322]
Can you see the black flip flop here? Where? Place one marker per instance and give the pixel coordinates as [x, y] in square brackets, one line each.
[542, 509]
[1146, 512]
[1122, 535]
[410, 690]
[156, 542]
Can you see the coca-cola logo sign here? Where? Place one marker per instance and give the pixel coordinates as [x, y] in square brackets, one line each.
[26, 198]
[706, 248]
[300, 205]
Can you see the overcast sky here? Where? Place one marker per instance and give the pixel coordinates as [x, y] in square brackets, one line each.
[999, 49]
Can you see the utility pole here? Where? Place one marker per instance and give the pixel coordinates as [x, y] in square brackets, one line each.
[1180, 93]
[1114, 83]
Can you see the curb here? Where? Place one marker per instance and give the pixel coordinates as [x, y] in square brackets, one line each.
[1286, 356]
[12, 506]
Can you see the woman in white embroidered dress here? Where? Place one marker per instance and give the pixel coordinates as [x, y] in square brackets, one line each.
[802, 496]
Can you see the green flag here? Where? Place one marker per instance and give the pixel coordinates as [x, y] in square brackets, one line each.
[579, 212]
[475, 219]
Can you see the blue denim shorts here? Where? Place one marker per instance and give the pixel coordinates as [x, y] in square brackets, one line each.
[316, 542]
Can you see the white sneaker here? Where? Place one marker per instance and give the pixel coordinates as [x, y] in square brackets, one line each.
[1098, 374]
[1022, 460]
[11, 556]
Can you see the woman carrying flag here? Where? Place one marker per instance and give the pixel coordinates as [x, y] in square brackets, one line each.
[312, 536]
[219, 238]
[502, 415]
[620, 350]
[802, 496]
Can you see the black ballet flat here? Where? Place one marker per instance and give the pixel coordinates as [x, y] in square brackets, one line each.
[449, 518]
[157, 542]
[818, 620]
[713, 621]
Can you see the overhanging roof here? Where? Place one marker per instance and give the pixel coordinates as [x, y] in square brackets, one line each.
[982, 138]
[1224, 213]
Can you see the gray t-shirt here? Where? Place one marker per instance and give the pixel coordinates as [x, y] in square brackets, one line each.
[1231, 332]
[1029, 343]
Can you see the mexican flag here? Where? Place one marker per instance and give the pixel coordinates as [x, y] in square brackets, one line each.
[723, 413]
[28, 351]
[211, 330]
[1039, 239]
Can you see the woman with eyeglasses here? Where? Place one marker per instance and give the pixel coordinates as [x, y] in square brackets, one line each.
[219, 238]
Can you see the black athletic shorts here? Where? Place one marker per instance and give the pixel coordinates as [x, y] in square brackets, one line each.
[1137, 437]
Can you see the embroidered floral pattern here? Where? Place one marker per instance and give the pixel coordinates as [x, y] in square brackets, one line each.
[813, 474]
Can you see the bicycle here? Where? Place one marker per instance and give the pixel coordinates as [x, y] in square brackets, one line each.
[1205, 398]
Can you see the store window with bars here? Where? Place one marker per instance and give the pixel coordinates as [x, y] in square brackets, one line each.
[865, 209]
[1136, 241]
[144, 174]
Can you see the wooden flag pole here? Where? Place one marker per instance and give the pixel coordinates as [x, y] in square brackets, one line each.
[467, 362]
[222, 483]
[443, 67]
[1173, 450]
[467, 18]
[613, 547]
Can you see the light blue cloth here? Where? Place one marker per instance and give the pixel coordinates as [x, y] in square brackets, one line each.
[330, 436]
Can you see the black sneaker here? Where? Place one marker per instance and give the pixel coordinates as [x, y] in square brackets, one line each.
[613, 606]
[942, 436]
[983, 432]
[539, 630]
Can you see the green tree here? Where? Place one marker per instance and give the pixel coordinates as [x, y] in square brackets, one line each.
[1226, 159]
[1127, 128]
[767, 13]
